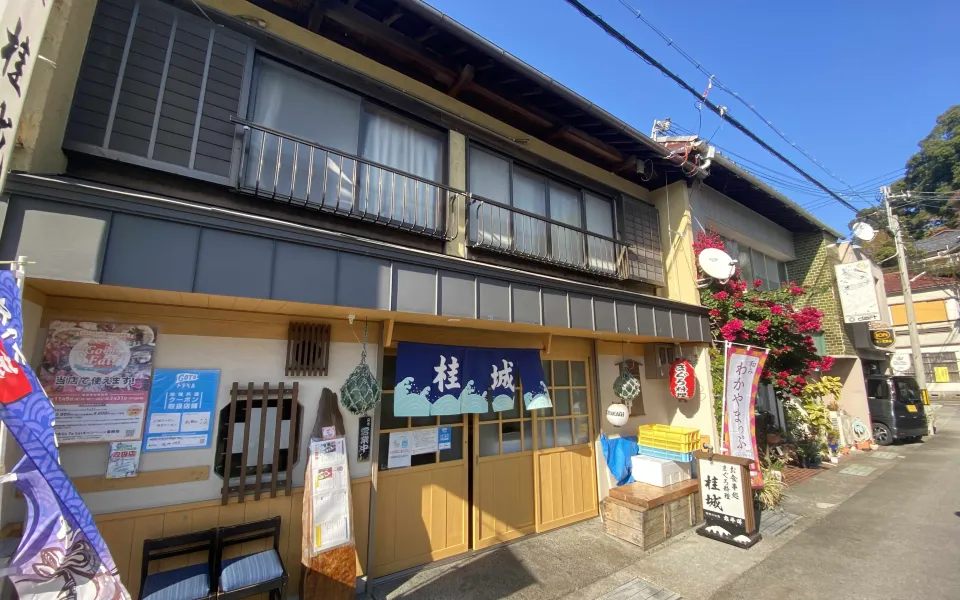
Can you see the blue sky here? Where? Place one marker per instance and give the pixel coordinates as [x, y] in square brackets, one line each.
[855, 83]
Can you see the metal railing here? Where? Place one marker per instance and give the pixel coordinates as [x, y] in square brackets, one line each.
[509, 230]
[299, 172]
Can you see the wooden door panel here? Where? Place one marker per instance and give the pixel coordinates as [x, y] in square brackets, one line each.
[566, 480]
[421, 516]
[505, 503]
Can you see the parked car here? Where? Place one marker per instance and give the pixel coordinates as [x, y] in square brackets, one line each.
[896, 409]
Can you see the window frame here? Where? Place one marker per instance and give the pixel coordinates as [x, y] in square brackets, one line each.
[547, 176]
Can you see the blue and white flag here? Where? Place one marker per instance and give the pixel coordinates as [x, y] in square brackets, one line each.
[61, 553]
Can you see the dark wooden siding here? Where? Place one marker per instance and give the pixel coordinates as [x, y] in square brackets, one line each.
[180, 80]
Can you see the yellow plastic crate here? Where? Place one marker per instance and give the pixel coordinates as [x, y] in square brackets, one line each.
[668, 437]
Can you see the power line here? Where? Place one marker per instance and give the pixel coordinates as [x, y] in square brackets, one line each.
[714, 81]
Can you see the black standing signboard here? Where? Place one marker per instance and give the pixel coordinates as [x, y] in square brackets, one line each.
[727, 499]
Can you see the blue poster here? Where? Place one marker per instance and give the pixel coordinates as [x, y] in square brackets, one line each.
[449, 380]
[444, 438]
[180, 415]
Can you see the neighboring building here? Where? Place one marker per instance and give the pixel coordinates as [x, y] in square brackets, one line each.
[775, 240]
[935, 304]
[222, 169]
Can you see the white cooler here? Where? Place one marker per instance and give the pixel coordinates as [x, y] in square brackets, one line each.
[658, 471]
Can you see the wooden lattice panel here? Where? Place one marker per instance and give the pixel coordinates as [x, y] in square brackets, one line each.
[308, 350]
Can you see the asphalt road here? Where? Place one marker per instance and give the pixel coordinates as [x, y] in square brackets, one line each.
[899, 537]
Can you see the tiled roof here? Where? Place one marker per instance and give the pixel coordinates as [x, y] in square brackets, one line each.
[947, 240]
[891, 282]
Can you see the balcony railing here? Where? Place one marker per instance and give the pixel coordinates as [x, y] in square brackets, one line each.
[298, 172]
[510, 230]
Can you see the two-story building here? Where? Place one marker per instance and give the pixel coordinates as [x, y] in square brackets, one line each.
[224, 171]
[776, 241]
[937, 309]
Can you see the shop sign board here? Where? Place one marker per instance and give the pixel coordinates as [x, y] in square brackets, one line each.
[858, 292]
[22, 23]
[742, 370]
[882, 338]
[437, 380]
[683, 381]
[727, 505]
[98, 377]
[363, 441]
[180, 415]
[900, 363]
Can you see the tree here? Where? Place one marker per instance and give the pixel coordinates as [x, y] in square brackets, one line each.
[935, 168]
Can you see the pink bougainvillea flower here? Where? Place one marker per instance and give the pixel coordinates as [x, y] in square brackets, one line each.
[721, 295]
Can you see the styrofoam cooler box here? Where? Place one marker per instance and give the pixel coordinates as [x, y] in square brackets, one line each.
[658, 471]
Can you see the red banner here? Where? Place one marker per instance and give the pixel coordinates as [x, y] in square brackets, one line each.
[741, 376]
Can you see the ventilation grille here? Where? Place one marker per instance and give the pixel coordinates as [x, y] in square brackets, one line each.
[308, 350]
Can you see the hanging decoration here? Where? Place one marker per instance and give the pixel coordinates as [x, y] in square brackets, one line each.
[361, 391]
[626, 386]
[617, 414]
[683, 381]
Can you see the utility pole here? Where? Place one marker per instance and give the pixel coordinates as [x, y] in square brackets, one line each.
[894, 225]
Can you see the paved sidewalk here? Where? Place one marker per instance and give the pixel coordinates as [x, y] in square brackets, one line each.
[580, 562]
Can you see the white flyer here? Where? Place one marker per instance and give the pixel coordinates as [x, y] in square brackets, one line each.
[124, 460]
[424, 441]
[398, 454]
[329, 479]
[327, 452]
[331, 519]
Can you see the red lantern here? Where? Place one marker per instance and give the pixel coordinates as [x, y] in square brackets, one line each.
[683, 382]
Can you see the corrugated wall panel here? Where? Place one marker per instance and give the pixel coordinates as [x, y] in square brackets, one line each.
[181, 79]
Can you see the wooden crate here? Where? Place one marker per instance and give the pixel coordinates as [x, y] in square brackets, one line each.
[659, 514]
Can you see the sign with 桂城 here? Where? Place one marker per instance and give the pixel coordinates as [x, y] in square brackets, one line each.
[98, 377]
[742, 370]
[451, 380]
[22, 23]
[727, 503]
[858, 292]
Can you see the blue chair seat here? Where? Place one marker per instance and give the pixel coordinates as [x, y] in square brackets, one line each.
[248, 570]
[185, 583]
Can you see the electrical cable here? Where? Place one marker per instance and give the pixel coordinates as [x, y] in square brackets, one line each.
[719, 84]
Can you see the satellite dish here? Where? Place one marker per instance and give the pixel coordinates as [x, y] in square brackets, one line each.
[717, 264]
[863, 231]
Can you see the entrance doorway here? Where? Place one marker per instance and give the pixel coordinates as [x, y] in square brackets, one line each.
[506, 475]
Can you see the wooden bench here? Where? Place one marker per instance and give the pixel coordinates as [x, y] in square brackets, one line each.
[646, 515]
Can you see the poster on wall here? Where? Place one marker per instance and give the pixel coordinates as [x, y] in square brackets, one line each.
[858, 292]
[180, 415]
[124, 460]
[98, 377]
[742, 370]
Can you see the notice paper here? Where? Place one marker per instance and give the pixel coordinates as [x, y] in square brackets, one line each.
[327, 452]
[424, 441]
[398, 453]
[124, 460]
[331, 519]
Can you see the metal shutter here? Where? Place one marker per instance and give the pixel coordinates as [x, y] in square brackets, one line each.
[157, 87]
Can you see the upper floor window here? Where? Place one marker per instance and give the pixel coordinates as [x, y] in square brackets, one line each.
[329, 149]
[757, 265]
[522, 211]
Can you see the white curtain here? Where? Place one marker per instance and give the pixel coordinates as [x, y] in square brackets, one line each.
[395, 142]
[297, 104]
[490, 178]
[602, 254]
[529, 194]
[567, 244]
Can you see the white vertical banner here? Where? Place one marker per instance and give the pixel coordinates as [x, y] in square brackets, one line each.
[858, 292]
[21, 30]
